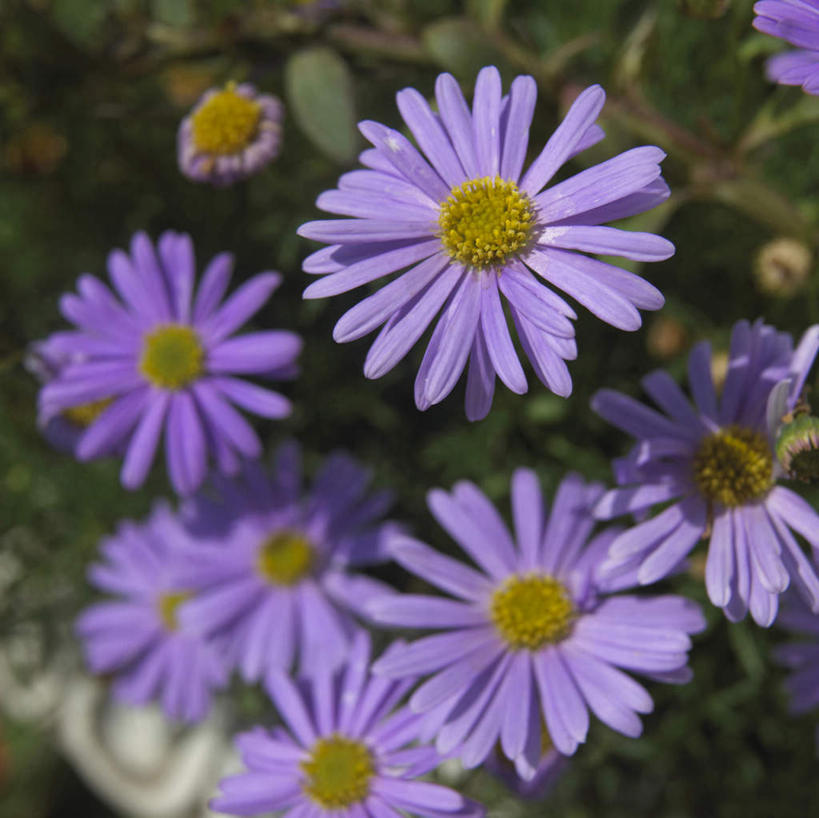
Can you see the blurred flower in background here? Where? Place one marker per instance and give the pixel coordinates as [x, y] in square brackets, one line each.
[230, 134]
[162, 358]
[782, 267]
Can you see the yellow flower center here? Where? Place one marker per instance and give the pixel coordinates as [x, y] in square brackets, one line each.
[86, 413]
[734, 466]
[168, 606]
[172, 356]
[338, 772]
[531, 611]
[226, 123]
[484, 221]
[285, 558]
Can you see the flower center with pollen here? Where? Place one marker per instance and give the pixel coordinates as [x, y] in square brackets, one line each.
[86, 413]
[531, 611]
[169, 605]
[226, 123]
[733, 466]
[338, 772]
[172, 356]
[285, 558]
[485, 221]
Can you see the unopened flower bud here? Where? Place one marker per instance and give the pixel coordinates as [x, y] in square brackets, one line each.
[666, 337]
[782, 266]
[797, 448]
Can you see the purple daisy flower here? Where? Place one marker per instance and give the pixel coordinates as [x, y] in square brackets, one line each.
[164, 358]
[800, 657]
[552, 765]
[534, 633]
[345, 751]
[711, 467]
[796, 22]
[139, 637]
[274, 583]
[472, 229]
[230, 134]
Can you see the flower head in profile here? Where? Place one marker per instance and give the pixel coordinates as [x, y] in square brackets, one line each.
[230, 134]
[796, 22]
[346, 750]
[710, 465]
[274, 584]
[138, 636]
[535, 633]
[466, 229]
[161, 356]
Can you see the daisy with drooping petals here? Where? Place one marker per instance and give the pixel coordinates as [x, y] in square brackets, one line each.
[163, 357]
[138, 637]
[712, 466]
[796, 22]
[345, 752]
[274, 584]
[536, 633]
[465, 229]
[230, 134]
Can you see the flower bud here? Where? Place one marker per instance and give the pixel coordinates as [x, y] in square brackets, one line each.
[797, 448]
[782, 266]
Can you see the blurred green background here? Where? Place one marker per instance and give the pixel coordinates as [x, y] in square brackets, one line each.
[91, 95]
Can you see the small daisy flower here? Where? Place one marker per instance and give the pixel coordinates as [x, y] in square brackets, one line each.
[163, 357]
[802, 657]
[465, 229]
[710, 465]
[535, 633]
[230, 134]
[796, 22]
[344, 751]
[275, 582]
[138, 637]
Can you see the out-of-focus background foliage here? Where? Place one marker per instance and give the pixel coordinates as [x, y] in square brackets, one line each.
[91, 94]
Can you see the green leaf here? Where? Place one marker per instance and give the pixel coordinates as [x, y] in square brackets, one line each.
[172, 12]
[319, 89]
[460, 46]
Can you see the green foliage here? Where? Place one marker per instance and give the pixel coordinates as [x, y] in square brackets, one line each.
[106, 85]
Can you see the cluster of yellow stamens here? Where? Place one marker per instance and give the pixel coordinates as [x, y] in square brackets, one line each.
[338, 772]
[485, 221]
[733, 466]
[85, 414]
[172, 356]
[531, 611]
[226, 123]
[285, 558]
[169, 605]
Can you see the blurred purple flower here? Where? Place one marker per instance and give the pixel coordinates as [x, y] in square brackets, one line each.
[230, 134]
[274, 583]
[162, 358]
[473, 228]
[534, 634]
[796, 22]
[710, 466]
[345, 752]
[138, 637]
[551, 766]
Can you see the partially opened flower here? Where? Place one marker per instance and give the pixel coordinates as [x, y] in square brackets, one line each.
[535, 633]
[801, 657]
[275, 585]
[346, 751]
[709, 467]
[230, 134]
[465, 229]
[138, 637]
[796, 22]
[163, 357]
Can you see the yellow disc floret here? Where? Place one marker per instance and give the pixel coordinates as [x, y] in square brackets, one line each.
[172, 356]
[168, 606]
[531, 611]
[86, 413]
[485, 221]
[338, 772]
[226, 123]
[285, 558]
[734, 466]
